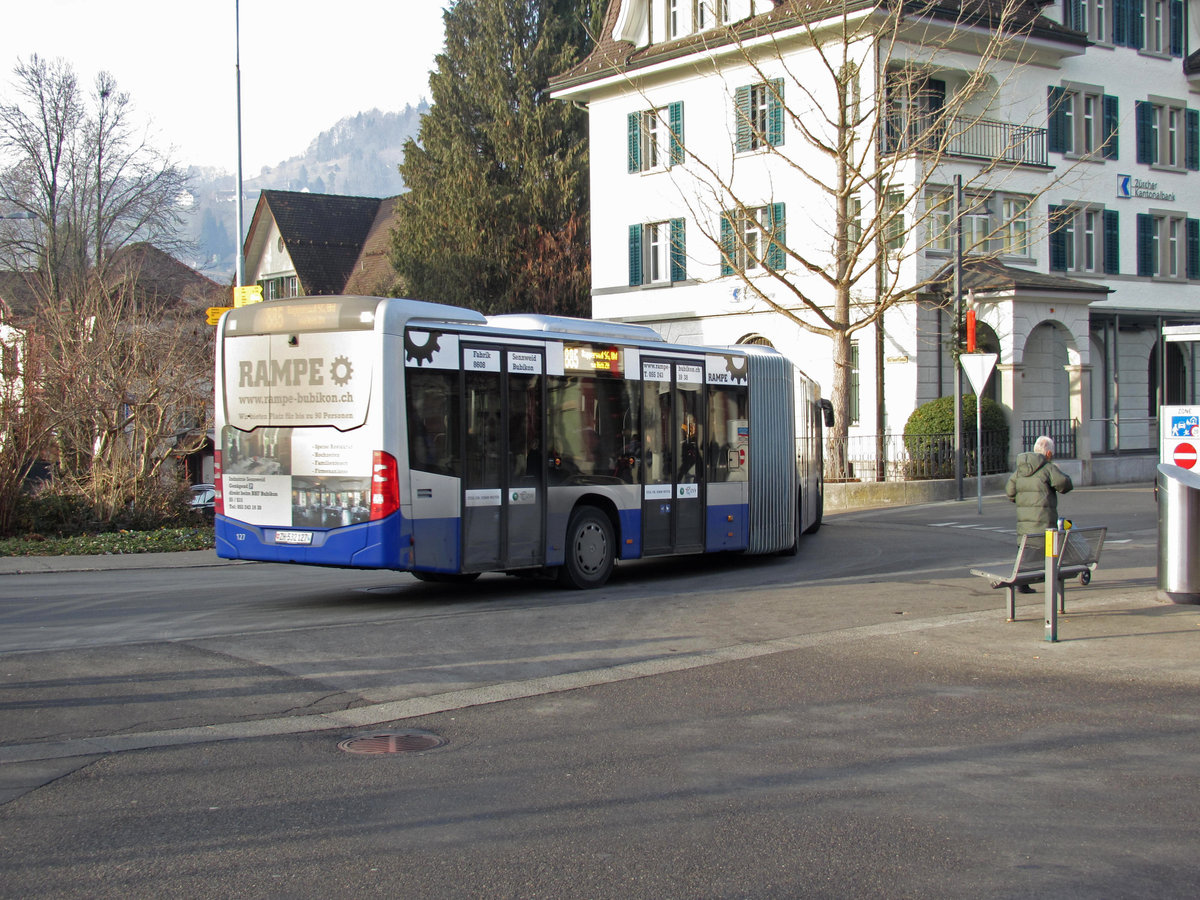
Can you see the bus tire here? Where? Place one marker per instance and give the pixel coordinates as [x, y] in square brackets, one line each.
[445, 577]
[590, 550]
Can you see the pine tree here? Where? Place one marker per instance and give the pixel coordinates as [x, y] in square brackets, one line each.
[497, 179]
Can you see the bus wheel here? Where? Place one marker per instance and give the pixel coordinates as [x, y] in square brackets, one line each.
[589, 558]
[445, 577]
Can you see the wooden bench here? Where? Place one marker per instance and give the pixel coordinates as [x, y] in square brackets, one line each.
[1078, 558]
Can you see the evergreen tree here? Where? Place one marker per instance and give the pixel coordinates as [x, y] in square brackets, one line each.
[497, 209]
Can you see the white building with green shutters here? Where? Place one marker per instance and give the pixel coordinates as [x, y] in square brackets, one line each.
[1077, 143]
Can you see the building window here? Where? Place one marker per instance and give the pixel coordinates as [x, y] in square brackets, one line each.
[1084, 239]
[753, 238]
[657, 253]
[1155, 26]
[759, 115]
[1168, 134]
[1082, 122]
[1168, 246]
[710, 13]
[992, 223]
[280, 288]
[914, 113]
[1092, 17]
[655, 138]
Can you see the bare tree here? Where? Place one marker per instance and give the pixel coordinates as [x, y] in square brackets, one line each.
[862, 87]
[89, 180]
[128, 377]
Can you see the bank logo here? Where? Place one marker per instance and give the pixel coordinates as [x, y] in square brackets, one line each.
[1124, 187]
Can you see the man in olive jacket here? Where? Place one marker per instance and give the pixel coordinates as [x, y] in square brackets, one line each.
[1035, 487]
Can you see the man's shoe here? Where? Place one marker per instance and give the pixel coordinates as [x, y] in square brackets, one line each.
[1025, 589]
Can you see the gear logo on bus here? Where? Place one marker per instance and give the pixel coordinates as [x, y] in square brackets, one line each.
[420, 353]
[340, 371]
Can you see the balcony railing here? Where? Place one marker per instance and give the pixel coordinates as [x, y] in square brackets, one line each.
[967, 138]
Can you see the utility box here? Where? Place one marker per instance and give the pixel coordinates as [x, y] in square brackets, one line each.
[1178, 534]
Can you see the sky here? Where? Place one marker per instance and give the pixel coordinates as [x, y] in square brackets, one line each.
[304, 65]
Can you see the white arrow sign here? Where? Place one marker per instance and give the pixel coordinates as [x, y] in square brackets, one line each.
[978, 367]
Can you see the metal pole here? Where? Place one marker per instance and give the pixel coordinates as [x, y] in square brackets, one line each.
[979, 448]
[1052, 586]
[237, 202]
[958, 298]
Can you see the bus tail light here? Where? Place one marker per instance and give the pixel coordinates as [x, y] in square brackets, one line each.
[219, 484]
[385, 485]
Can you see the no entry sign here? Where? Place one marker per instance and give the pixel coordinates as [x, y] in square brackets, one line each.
[1185, 455]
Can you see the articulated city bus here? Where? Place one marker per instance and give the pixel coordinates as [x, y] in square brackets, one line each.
[398, 434]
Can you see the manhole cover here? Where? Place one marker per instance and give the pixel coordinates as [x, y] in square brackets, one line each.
[393, 742]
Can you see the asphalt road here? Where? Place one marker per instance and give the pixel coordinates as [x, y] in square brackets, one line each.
[855, 721]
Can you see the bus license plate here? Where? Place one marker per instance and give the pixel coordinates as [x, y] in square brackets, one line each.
[293, 537]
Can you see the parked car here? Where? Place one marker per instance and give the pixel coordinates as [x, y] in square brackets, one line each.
[204, 500]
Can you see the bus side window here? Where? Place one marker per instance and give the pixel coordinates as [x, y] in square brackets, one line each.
[729, 435]
[433, 421]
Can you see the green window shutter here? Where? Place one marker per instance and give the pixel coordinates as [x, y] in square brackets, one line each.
[1176, 20]
[1145, 245]
[1058, 238]
[675, 117]
[1120, 22]
[1056, 116]
[728, 251]
[1143, 116]
[742, 112]
[775, 113]
[1193, 248]
[678, 250]
[635, 142]
[635, 255]
[1192, 139]
[853, 386]
[1137, 24]
[776, 226]
[1111, 118]
[1112, 242]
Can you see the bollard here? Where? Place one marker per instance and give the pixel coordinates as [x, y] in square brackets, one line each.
[1052, 550]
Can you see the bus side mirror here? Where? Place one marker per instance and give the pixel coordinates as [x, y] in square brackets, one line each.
[827, 410]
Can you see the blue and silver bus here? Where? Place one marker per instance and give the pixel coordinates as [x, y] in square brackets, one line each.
[398, 434]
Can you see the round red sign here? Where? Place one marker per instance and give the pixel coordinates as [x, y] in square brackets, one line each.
[1185, 455]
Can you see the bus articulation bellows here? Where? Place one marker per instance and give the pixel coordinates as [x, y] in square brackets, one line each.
[398, 434]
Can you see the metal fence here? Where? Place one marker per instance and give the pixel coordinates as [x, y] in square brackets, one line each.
[1062, 431]
[892, 457]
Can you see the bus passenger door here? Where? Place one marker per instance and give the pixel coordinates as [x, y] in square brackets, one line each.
[504, 469]
[672, 461]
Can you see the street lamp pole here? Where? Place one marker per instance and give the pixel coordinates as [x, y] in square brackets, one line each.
[955, 347]
[237, 203]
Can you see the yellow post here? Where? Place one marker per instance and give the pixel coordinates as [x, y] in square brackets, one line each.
[1052, 586]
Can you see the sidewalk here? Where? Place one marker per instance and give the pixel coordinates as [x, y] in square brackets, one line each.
[183, 559]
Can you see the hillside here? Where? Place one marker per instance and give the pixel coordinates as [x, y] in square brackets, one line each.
[358, 156]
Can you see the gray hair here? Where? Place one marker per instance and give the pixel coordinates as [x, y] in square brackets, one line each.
[1044, 445]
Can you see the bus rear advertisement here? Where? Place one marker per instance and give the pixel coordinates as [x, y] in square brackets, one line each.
[399, 434]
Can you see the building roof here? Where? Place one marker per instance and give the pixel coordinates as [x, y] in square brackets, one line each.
[989, 276]
[610, 55]
[157, 280]
[324, 234]
[373, 273]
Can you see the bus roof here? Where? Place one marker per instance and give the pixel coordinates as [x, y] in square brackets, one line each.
[572, 326]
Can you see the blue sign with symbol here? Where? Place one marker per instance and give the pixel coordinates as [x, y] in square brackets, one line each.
[1185, 426]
